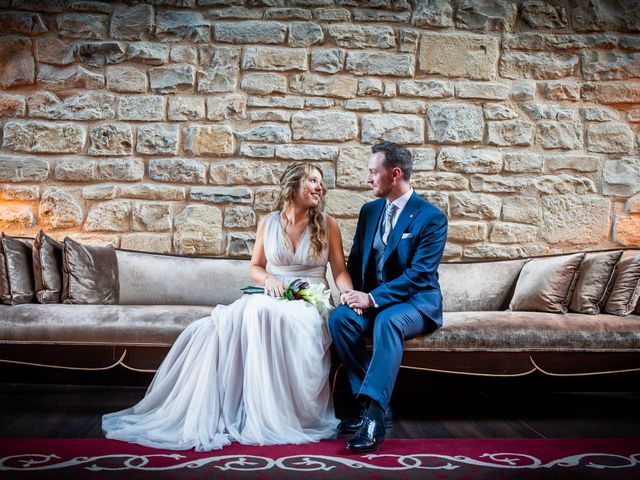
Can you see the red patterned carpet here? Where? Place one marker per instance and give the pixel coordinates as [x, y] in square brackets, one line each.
[614, 458]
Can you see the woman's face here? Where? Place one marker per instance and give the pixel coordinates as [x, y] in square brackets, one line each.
[310, 191]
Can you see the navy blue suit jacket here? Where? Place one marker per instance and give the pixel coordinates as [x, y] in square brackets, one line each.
[411, 259]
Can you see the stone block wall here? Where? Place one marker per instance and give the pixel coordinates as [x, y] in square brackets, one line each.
[164, 125]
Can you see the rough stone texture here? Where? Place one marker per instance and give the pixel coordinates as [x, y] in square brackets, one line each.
[121, 169]
[110, 140]
[17, 217]
[246, 172]
[221, 194]
[171, 79]
[403, 129]
[184, 109]
[76, 169]
[172, 104]
[178, 170]
[610, 138]
[141, 107]
[151, 217]
[43, 137]
[237, 216]
[522, 209]
[202, 140]
[198, 231]
[111, 216]
[512, 233]
[147, 242]
[475, 205]
[466, 231]
[538, 65]
[157, 139]
[264, 83]
[276, 59]
[83, 106]
[240, 244]
[458, 55]
[575, 220]
[326, 86]
[131, 22]
[380, 63]
[148, 53]
[523, 162]
[324, 126]
[227, 107]
[59, 209]
[487, 15]
[469, 161]
[509, 132]
[126, 80]
[348, 35]
[621, 177]
[455, 123]
[627, 230]
[17, 65]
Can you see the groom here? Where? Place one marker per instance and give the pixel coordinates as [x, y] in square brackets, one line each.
[393, 263]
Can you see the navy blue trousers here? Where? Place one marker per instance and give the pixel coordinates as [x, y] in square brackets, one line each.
[374, 375]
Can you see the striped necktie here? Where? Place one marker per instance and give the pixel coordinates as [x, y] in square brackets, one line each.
[387, 224]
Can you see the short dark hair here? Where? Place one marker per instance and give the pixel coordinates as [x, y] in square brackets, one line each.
[396, 156]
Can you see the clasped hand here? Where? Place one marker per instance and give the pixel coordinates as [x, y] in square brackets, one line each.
[273, 287]
[358, 301]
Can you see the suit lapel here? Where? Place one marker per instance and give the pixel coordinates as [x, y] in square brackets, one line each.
[406, 217]
[370, 232]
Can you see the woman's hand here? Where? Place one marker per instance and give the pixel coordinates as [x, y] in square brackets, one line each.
[273, 287]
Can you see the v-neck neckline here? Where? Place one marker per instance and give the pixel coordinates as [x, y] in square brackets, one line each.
[292, 247]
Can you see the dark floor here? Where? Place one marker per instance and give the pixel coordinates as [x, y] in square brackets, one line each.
[424, 407]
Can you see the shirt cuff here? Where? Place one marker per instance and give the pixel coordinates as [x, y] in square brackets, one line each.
[374, 301]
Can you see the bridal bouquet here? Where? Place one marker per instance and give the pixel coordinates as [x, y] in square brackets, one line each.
[315, 294]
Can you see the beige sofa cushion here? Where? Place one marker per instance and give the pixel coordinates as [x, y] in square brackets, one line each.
[596, 273]
[625, 291]
[89, 274]
[545, 284]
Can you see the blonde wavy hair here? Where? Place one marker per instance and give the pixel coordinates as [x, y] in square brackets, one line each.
[294, 175]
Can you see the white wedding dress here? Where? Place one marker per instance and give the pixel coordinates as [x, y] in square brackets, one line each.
[254, 372]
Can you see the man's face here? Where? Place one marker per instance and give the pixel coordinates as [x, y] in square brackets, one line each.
[380, 177]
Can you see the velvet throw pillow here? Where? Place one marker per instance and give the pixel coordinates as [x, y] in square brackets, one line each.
[596, 274]
[16, 274]
[47, 268]
[89, 274]
[625, 291]
[545, 284]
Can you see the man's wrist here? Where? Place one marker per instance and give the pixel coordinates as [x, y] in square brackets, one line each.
[373, 301]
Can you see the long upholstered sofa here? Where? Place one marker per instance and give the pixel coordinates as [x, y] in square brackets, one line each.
[161, 294]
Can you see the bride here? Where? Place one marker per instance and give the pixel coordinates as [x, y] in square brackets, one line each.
[256, 371]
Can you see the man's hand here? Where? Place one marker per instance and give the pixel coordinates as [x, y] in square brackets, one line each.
[358, 301]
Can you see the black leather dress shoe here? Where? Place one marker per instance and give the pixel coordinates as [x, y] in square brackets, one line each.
[352, 425]
[369, 436]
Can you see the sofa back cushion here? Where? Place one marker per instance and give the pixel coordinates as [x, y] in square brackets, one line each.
[596, 273]
[157, 279]
[16, 272]
[625, 290]
[545, 284]
[47, 268]
[478, 286]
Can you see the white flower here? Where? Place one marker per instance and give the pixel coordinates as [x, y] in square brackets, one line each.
[319, 297]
